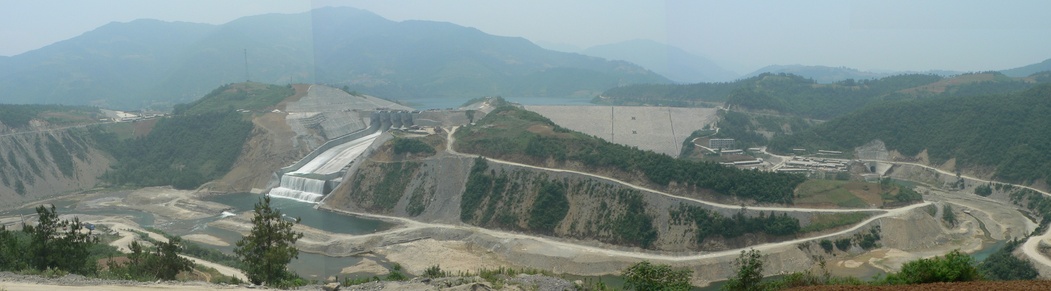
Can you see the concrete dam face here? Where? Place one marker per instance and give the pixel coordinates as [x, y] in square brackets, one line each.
[312, 177]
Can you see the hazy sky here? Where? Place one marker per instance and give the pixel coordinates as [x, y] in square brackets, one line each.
[740, 35]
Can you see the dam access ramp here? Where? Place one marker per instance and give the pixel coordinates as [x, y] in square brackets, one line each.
[349, 124]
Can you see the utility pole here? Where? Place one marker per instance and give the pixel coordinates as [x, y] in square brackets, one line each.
[246, 67]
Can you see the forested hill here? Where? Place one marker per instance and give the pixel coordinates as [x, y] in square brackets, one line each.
[155, 63]
[785, 93]
[1029, 70]
[1010, 133]
[524, 136]
[798, 96]
[198, 143]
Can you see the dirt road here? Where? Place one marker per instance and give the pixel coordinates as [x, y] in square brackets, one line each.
[450, 149]
[1031, 245]
[127, 236]
[551, 245]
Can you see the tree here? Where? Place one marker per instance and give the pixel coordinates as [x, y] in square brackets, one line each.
[749, 272]
[948, 215]
[984, 190]
[50, 249]
[270, 246]
[470, 116]
[646, 276]
[12, 250]
[163, 264]
[1002, 265]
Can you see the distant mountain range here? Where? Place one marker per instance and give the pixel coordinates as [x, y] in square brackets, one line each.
[1028, 70]
[669, 61]
[153, 63]
[826, 75]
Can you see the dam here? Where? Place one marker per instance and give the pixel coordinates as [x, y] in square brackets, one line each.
[310, 182]
[658, 129]
[339, 117]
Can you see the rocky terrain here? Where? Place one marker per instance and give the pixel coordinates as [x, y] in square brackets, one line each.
[41, 164]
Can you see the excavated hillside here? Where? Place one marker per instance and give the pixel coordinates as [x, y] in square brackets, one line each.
[272, 145]
[454, 189]
[37, 165]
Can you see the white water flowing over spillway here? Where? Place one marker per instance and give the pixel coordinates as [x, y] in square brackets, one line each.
[299, 188]
[305, 184]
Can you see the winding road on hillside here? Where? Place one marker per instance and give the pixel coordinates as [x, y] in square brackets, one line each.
[450, 150]
[548, 243]
[1031, 245]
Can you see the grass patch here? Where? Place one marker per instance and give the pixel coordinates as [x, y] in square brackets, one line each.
[248, 96]
[833, 220]
[817, 191]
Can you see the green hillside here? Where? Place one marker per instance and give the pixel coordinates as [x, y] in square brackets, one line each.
[523, 136]
[1029, 70]
[183, 151]
[784, 93]
[198, 144]
[248, 96]
[18, 116]
[794, 95]
[1010, 133]
[821, 74]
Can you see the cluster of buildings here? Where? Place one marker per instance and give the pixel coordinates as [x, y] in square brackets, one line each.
[124, 116]
[802, 164]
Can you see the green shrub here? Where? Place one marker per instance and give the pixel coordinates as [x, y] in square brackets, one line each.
[826, 245]
[843, 244]
[646, 276]
[952, 267]
[411, 146]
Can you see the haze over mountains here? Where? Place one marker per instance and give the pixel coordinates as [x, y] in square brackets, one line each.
[1028, 70]
[151, 63]
[672, 62]
[148, 62]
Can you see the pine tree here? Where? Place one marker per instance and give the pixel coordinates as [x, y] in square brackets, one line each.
[270, 246]
[749, 274]
[59, 244]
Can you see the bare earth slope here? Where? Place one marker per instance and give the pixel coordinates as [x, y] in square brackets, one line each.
[47, 164]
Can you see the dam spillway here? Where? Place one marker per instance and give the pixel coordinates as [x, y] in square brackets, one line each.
[333, 160]
[309, 182]
[348, 124]
[299, 188]
[319, 172]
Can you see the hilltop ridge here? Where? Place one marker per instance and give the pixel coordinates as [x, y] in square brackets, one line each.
[153, 63]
